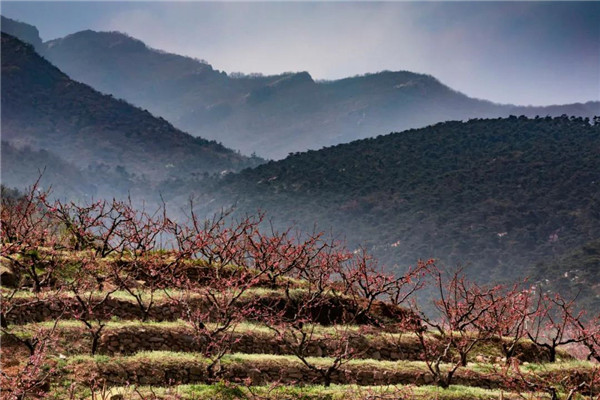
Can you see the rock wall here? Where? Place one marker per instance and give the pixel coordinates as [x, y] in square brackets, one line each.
[130, 340]
[284, 371]
[335, 309]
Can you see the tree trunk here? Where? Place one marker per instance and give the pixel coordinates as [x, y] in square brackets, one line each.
[552, 353]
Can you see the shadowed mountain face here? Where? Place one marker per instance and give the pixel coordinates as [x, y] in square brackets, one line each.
[44, 109]
[495, 196]
[269, 115]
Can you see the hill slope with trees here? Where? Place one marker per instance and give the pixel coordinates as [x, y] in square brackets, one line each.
[494, 195]
[44, 109]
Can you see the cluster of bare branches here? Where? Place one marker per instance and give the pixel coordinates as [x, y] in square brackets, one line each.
[76, 257]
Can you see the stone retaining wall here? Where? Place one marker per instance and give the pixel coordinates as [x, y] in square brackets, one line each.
[39, 311]
[130, 340]
[261, 373]
[333, 310]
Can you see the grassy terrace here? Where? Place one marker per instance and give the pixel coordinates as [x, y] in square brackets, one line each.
[243, 327]
[164, 360]
[72, 341]
[290, 368]
[69, 262]
[162, 296]
[255, 359]
[223, 391]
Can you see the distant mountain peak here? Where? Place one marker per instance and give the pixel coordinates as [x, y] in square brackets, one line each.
[24, 32]
[271, 115]
[114, 42]
[103, 40]
[293, 79]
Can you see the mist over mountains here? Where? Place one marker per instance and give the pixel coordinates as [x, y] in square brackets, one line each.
[271, 116]
[505, 197]
[42, 109]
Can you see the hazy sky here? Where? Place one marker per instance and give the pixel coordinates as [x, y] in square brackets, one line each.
[511, 52]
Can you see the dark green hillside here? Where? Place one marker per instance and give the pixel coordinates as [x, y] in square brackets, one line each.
[498, 195]
[43, 108]
[577, 273]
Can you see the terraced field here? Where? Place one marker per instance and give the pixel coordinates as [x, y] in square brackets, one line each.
[99, 311]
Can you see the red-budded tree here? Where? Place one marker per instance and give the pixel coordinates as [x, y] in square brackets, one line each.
[218, 242]
[215, 311]
[28, 237]
[215, 299]
[295, 324]
[339, 290]
[587, 331]
[458, 327]
[526, 384]
[553, 323]
[508, 317]
[363, 281]
[43, 335]
[91, 226]
[137, 267]
[87, 302]
[277, 254]
[30, 379]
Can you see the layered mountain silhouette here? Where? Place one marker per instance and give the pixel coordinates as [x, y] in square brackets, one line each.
[495, 196]
[42, 108]
[270, 115]
[503, 197]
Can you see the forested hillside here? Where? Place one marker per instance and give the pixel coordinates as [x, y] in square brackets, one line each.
[493, 195]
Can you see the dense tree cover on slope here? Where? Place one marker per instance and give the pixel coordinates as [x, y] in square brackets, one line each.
[577, 273]
[45, 109]
[19, 165]
[269, 115]
[494, 195]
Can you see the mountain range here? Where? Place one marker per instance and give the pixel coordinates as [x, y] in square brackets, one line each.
[270, 116]
[43, 109]
[504, 197]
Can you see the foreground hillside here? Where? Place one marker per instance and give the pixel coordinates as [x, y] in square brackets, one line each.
[95, 307]
[44, 109]
[495, 196]
[269, 115]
